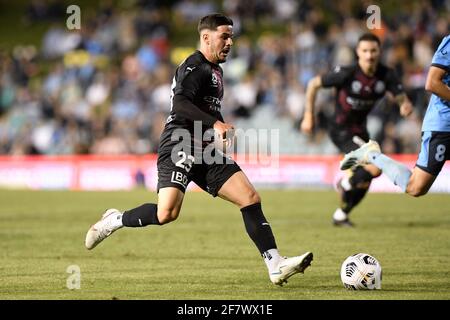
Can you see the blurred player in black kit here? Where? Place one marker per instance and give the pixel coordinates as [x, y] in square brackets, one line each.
[197, 91]
[358, 88]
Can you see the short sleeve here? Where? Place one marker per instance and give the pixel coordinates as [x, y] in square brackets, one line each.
[190, 80]
[441, 58]
[335, 78]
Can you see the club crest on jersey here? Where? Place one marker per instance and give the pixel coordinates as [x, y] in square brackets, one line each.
[216, 79]
[356, 86]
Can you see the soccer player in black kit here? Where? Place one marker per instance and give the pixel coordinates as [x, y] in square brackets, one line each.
[358, 88]
[197, 91]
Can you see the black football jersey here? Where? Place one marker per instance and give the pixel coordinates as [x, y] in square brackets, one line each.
[357, 93]
[201, 82]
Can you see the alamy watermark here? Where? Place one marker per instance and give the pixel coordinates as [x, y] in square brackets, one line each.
[73, 281]
[251, 146]
[374, 20]
[74, 20]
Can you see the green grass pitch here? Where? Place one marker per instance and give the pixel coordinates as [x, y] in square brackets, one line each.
[206, 253]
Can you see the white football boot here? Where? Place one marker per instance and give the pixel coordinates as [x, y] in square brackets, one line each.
[360, 155]
[103, 228]
[287, 267]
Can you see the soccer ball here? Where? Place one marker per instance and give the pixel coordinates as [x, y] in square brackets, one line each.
[361, 271]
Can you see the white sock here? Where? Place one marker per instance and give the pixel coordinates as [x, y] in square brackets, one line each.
[271, 258]
[345, 183]
[117, 221]
[397, 172]
[339, 215]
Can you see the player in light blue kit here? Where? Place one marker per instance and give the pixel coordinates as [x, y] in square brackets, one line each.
[435, 148]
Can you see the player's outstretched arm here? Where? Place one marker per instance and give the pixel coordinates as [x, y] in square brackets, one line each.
[307, 124]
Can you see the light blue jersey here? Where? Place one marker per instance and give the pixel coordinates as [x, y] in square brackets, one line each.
[437, 117]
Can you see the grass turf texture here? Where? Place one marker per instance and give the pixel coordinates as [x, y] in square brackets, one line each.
[206, 253]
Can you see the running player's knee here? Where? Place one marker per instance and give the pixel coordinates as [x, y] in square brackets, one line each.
[167, 215]
[252, 197]
[255, 197]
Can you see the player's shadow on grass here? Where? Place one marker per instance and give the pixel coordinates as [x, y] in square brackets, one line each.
[395, 224]
[427, 224]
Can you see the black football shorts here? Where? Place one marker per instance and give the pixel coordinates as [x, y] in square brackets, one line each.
[343, 139]
[434, 151]
[177, 167]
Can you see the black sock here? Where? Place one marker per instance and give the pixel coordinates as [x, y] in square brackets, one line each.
[360, 182]
[361, 178]
[141, 216]
[352, 198]
[257, 227]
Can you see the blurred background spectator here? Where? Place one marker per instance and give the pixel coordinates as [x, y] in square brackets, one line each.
[105, 89]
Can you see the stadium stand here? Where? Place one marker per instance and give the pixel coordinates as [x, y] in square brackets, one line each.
[105, 89]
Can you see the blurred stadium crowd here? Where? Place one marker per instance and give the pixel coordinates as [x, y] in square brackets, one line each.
[105, 89]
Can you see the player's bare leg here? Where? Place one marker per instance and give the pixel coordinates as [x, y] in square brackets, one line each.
[170, 200]
[419, 182]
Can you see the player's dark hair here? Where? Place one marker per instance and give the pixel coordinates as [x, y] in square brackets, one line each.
[369, 37]
[212, 21]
